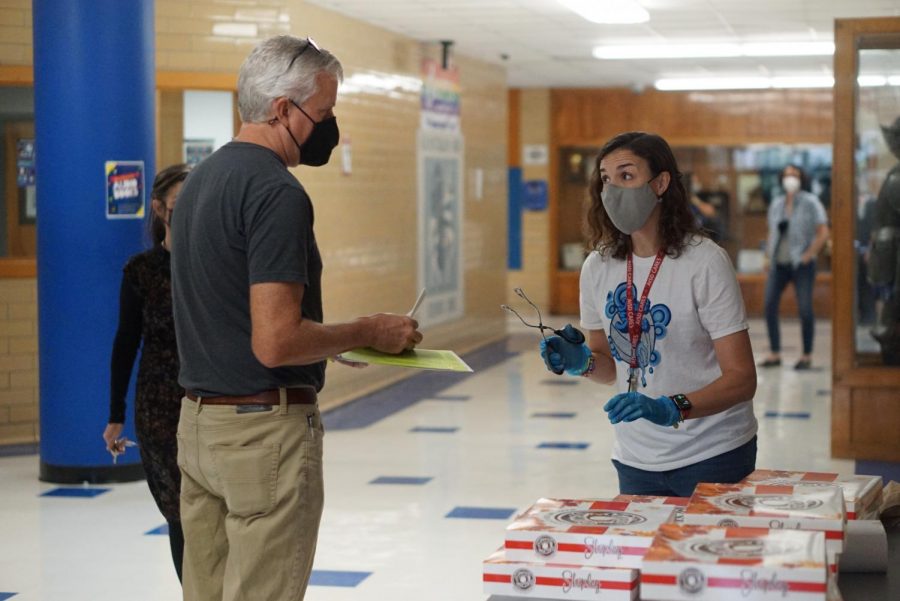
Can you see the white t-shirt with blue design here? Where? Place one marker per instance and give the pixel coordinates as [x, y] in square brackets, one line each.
[694, 300]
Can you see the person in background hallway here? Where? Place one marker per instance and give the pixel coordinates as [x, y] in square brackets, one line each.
[798, 229]
[145, 315]
[666, 322]
[707, 215]
[246, 285]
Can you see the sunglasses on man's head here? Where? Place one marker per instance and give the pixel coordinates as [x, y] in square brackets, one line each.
[310, 43]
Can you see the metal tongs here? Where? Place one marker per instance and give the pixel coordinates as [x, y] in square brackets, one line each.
[570, 335]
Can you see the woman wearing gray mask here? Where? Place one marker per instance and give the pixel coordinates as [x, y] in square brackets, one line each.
[798, 229]
[666, 323]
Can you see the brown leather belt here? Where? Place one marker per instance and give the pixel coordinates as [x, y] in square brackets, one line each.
[295, 396]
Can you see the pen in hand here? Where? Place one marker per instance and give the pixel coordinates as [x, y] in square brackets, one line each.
[412, 312]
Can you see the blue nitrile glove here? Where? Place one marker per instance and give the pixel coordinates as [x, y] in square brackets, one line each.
[629, 406]
[560, 355]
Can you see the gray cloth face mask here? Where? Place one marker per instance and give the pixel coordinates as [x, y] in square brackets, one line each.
[629, 208]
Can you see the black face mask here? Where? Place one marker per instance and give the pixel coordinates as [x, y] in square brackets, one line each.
[316, 150]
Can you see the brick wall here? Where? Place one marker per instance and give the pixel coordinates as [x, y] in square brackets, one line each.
[381, 195]
[18, 361]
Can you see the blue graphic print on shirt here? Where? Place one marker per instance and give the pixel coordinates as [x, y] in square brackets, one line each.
[654, 325]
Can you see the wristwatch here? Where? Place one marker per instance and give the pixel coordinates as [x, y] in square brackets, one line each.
[683, 404]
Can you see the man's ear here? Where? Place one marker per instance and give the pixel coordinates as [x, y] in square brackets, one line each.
[280, 108]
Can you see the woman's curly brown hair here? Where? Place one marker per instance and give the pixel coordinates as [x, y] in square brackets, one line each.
[676, 222]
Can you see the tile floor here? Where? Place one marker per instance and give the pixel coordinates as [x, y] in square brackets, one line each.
[420, 482]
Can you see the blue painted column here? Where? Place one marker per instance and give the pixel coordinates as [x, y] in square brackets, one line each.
[514, 217]
[94, 80]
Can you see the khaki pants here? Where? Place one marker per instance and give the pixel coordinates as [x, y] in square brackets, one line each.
[251, 500]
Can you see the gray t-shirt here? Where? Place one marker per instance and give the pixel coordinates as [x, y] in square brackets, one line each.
[806, 216]
[241, 219]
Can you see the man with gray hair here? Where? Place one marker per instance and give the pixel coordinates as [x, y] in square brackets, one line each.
[246, 275]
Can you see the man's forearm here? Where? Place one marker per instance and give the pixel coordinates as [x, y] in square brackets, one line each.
[309, 342]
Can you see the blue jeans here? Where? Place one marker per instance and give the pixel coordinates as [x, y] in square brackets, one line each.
[804, 277]
[728, 468]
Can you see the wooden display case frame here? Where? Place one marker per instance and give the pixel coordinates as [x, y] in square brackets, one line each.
[865, 411]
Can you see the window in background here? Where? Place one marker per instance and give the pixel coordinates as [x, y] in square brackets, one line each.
[18, 208]
[208, 123]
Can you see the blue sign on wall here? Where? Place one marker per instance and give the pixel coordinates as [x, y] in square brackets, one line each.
[124, 189]
[534, 195]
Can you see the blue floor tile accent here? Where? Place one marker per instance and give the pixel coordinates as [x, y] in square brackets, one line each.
[788, 414]
[555, 414]
[888, 470]
[5, 596]
[481, 513]
[18, 450]
[451, 397]
[401, 480]
[559, 382]
[383, 403]
[75, 492]
[578, 446]
[161, 530]
[337, 578]
[434, 430]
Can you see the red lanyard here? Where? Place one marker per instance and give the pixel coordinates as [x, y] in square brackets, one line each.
[634, 321]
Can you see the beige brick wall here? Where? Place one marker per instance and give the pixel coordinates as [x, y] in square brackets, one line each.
[365, 223]
[18, 361]
[15, 32]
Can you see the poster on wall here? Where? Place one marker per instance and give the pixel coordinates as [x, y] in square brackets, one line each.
[124, 189]
[440, 97]
[195, 150]
[24, 162]
[535, 195]
[440, 177]
[25, 181]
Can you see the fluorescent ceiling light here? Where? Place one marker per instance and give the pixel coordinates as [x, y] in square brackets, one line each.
[712, 83]
[788, 49]
[673, 51]
[644, 51]
[608, 11]
[868, 81]
[758, 83]
[874, 81]
[815, 81]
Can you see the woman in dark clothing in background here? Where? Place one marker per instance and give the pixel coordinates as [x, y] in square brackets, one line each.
[145, 315]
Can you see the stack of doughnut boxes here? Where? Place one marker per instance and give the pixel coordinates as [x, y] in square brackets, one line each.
[775, 535]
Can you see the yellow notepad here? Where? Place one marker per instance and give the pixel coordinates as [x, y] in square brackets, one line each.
[416, 359]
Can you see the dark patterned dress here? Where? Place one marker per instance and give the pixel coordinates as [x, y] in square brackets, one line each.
[145, 315]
